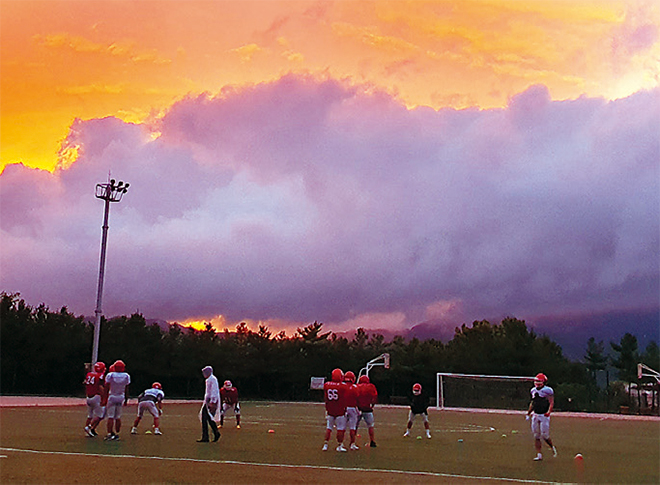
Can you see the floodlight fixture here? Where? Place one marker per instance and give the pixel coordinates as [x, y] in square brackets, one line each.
[109, 192]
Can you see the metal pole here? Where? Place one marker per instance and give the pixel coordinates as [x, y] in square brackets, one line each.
[99, 294]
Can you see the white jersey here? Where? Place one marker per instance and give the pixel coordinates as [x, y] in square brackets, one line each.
[117, 382]
[153, 395]
[212, 390]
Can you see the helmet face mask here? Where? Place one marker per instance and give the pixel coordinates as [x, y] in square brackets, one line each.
[228, 384]
[540, 380]
[99, 367]
[417, 389]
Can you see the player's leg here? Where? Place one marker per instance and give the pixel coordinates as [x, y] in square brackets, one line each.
[427, 426]
[237, 413]
[411, 419]
[223, 410]
[545, 433]
[536, 431]
[329, 423]
[340, 422]
[138, 418]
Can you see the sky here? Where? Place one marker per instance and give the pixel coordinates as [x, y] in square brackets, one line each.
[356, 163]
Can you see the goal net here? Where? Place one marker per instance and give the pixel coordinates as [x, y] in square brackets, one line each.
[482, 391]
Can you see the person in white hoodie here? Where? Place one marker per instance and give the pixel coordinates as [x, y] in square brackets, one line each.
[210, 412]
[116, 382]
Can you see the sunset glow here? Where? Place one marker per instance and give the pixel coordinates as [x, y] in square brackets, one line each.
[63, 60]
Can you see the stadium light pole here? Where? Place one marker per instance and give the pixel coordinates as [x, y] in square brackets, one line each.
[111, 192]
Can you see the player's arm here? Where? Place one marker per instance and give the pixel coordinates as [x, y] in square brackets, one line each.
[551, 400]
[529, 409]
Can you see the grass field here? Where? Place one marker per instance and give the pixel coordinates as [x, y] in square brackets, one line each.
[47, 445]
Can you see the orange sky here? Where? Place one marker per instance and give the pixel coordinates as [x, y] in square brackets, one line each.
[62, 60]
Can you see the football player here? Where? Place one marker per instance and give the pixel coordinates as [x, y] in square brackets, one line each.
[352, 414]
[540, 408]
[367, 396]
[150, 400]
[117, 383]
[94, 390]
[419, 404]
[210, 411]
[229, 398]
[334, 394]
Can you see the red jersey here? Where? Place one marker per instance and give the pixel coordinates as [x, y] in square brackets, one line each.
[351, 395]
[367, 396]
[93, 382]
[229, 395]
[334, 394]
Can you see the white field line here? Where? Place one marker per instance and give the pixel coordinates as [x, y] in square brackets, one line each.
[280, 465]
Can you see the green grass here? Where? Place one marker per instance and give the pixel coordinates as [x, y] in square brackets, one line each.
[615, 451]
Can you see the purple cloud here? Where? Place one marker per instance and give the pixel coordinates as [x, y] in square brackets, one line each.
[306, 199]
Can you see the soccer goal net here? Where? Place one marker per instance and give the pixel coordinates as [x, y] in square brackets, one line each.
[482, 391]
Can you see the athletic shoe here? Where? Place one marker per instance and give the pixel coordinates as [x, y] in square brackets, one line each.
[88, 431]
[216, 437]
[554, 451]
[372, 444]
[538, 457]
[354, 446]
[238, 426]
[133, 430]
[325, 447]
[428, 435]
[111, 437]
[341, 448]
[203, 440]
[406, 434]
[93, 431]
[157, 431]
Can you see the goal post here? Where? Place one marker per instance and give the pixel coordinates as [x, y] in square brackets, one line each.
[382, 359]
[441, 380]
[644, 370]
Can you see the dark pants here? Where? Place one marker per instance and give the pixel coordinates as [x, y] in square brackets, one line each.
[207, 419]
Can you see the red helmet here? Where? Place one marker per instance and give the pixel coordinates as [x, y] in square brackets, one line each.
[417, 388]
[337, 375]
[541, 377]
[227, 384]
[119, 366]
[363, 379]
[349, 376]
[156, 385]
[99, 367]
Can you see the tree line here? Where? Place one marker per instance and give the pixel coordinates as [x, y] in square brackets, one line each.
[43, 352]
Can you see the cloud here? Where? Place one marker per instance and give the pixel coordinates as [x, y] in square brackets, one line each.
[311, 199]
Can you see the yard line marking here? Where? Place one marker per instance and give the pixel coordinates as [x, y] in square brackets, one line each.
[283, 465]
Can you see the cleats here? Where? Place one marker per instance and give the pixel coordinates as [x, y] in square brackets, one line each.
[111, 437]
[372, 444]
[428, 434]
[203, 440]
[157, 431]
[88, 431]
[238, 426]
[341, 448]
[354, 446]
[133, 430]
[538, 457]
[215, 438]
[554, 451]
[93, 431]
[325, 447]
[406, 434]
